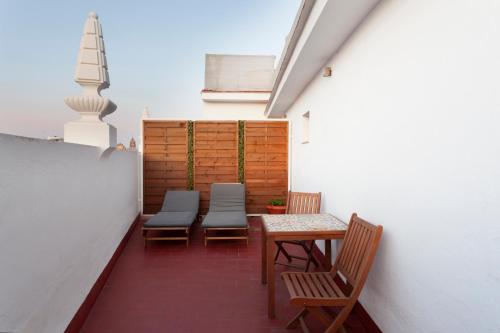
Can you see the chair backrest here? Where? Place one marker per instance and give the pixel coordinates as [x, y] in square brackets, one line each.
[303, 203]
[181, 201]
[227, 198]
[357, 253]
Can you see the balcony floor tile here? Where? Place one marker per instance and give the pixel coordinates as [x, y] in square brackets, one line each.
[168, 287]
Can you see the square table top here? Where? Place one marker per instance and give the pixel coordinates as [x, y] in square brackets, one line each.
[300, 223]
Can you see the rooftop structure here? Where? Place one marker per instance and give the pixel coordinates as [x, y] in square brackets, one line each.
[237, 86]
[238, 73]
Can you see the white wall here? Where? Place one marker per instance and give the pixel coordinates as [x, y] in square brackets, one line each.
[233, 111]
[405, 133]
[232, 72]
[64, 209]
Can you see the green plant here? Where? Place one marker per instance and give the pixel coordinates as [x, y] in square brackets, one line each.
[190, 156]
[241, 151]
[277, 202]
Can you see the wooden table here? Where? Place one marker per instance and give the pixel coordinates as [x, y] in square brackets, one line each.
[295, 227]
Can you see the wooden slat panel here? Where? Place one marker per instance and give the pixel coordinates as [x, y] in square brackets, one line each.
[266, 163]
[267, 124]
[215, 160]
[165, 161]
[165, 124]
[215, 156]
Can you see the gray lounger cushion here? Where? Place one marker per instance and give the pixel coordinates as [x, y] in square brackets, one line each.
[225, 220]
[181, 201]
[227, 198]
[171, 219]
[227, 207]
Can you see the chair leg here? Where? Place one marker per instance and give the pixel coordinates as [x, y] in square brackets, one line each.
[308, 263]
[187, 237]
[303, 325]
[310, 256]
[278, 251]
[295, 321]
[336, 326]
[144, 234]
[281, 249]
[311, 246]
[205, 236]
[287, 256]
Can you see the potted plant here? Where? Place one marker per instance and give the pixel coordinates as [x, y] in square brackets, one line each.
[276, 206]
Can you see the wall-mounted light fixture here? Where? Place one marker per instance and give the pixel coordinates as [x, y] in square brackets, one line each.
[327, 72]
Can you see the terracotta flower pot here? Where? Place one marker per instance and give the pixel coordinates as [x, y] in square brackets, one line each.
[276, 209]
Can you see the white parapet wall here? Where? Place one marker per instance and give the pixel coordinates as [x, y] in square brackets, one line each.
[64, 208]
[233, 110]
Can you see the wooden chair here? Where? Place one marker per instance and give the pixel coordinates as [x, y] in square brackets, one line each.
[317, 291]
[300, 203]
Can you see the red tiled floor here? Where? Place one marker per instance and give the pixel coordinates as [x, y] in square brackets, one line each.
[170, 288]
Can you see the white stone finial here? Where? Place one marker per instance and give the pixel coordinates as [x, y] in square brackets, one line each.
[91, 68]
[92, 74]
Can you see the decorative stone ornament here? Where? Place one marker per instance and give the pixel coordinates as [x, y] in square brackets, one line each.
[92, 74]
[91, 107]
[92, 69]
[132, 145]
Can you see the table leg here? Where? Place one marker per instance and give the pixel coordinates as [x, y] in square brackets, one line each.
[263, 268]
[328, 254]
[270, 245]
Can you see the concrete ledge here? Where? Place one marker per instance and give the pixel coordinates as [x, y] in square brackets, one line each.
[235, 97]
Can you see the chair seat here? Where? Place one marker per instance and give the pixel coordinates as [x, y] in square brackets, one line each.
[171, 219]
[318, 289]
[225, 220]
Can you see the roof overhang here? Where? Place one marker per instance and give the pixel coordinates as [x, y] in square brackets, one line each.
[320, 29]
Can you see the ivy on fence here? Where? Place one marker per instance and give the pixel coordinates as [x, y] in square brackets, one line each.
[241, 151]
[190, 156]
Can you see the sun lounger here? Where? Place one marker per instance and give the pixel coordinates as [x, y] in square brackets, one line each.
[226, 213]
[179, 211]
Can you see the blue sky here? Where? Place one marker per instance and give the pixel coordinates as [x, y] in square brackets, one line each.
[155, 52]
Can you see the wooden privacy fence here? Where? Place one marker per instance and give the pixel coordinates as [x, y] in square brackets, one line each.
[215, 156]
[193, 155]
[165, 161]
[266, 163]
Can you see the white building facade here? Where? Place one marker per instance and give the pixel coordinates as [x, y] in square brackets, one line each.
[237, 87]
[404, 132]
